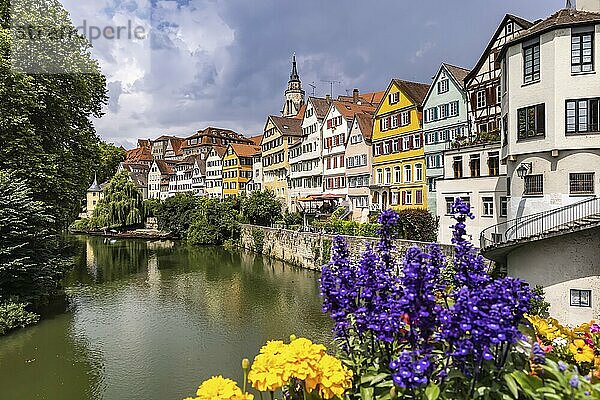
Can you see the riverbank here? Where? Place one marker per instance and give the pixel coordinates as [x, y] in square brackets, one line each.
[309, 250]
[135, 234]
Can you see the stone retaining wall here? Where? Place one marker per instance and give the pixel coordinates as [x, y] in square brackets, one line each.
[305, 249]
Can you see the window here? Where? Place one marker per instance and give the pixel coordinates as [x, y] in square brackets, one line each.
[449, 204]
[531, 63]
[388, 176]
[444, 110]
[431, 184]
[531, 121]
[494, 164]
[386, 147]
[394, 121]
[394, 97]
[454, 109]
[458, 167]
[534, 185]
[581, 298]
[443, 86]
[417, 141]
[385, 123]
[488, 206]
[582, 50]
[509, 28]
[419, 197]
[395, 146]
[397, 175]
[418, 172]
[407, 197]
[405, 118]
[503, 206]
[481, 99]
[475, 165]
[583, 115]
[380, 176]
[581, 183]
[407, 173]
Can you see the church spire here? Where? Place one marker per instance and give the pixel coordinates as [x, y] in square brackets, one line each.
[294, 77]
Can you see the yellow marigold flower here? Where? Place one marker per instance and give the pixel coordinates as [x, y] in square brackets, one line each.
[334, 378]
[302, 358]
[581, 351]
[266, 373]
[219, 388]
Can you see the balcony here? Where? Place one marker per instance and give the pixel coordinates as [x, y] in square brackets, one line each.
[475, 140]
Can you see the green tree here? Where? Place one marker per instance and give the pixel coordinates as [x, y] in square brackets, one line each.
[30, 265]
[122, 205]
[261, 208]
[46, 133]
[417, 224]
[215, 222]
[109, 158]
[176, 213]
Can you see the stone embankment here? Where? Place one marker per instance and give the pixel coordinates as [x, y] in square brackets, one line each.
[305, 249]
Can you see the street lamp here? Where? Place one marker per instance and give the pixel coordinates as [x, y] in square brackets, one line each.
[524, 170]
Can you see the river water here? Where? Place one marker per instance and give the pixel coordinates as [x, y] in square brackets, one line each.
[151, 320]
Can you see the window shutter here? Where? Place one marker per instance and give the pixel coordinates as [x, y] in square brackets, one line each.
[403, 197]
[474, 100]
[412, 142]
[490, 96]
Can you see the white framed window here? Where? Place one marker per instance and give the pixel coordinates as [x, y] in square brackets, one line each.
[394, 198]
[397, 175]
[388, 176]
[417, 141]
[454, 109]
[405, 118]
[510, 28]
[408, 197]
[407, 173]
[394, 121]
[488, 206]
[481, 100]
[394, 97]
[503, 206]
[406, 143]
[385, 124]
[580, 298]
[379, 176]
[418, 172]
[443, 86]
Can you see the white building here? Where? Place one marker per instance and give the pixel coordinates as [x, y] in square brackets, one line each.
[256, 183]
[336, 131]
[359, 164]
[473, 173]
[159, 178]
[214, 172]
[199, 176]
[551, 145]
[306, 164]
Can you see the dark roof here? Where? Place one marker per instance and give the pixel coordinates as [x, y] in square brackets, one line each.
[320, 105]
[365, 123]
[414, 90]
[94, 186]
[348, 110]
[562, 18]
[458, 73]
[220, 150]
[164, 167]
[484, 56]
[287, 126]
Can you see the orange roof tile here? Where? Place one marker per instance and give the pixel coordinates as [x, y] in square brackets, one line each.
[245, 150]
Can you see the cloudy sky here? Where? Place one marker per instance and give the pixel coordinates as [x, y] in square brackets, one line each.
[226, 62]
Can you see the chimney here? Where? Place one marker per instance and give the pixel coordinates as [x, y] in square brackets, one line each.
[588, 5]
[355, 96]
[328, 98]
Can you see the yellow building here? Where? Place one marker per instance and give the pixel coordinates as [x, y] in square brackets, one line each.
[279, 134]
[399, 179]
[237, 168]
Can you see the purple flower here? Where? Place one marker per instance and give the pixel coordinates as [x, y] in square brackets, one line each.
[574, 381]
[411, 370]
[562, 367]
[538, 354]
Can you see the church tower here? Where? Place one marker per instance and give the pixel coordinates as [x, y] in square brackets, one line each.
[294, 95]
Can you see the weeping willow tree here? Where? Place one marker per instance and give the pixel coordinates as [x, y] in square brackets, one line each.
[122, 205]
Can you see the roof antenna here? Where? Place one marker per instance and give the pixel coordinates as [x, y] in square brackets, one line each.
[313, 86]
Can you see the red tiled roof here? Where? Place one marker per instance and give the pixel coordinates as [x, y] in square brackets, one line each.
[348, 110]
[136, 155]
[365, 123]
[245, 150]
[256, 139]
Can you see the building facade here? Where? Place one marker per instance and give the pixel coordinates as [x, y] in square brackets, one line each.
[473, 173]
[399, 179]
[202, 142]
[444, 119]
[359, 155]
[237, 168]
[214, 172]
[294, 95]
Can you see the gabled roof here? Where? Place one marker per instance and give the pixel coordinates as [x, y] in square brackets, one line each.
[164, 167]
[201, 165]
[348, 110]
[372, 98]
[164, 138]
[320, 105]
[562, 18]
[415, 91]
[301, 112]
[245, 150]
[484, 56]
[138, 154]
[287, 126]
[220, 150]
[365, 124]
[256, 139]
[176, 144]
[457, 74]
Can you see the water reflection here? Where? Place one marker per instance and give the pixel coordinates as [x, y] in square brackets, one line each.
[150, 320]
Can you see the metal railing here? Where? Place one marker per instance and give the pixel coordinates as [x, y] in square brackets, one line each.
[537, 224]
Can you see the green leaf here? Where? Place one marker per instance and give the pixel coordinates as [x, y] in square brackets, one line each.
[366, 393]
[432, 391]
[512, 385]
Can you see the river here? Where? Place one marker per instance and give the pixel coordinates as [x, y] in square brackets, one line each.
[151, 320]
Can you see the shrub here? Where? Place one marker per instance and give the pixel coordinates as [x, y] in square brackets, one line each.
[14, 315]
[81, 225]
[177, 213]
[261, 208]
[214, 222]
[122, 205]
[417, 224]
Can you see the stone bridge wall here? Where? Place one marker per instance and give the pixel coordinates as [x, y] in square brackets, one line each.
[305, 249]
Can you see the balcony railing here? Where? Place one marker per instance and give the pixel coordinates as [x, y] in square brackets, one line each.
[547, 222]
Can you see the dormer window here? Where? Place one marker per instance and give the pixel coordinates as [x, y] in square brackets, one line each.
[394, 98]
[443, 86]
[510, 28]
